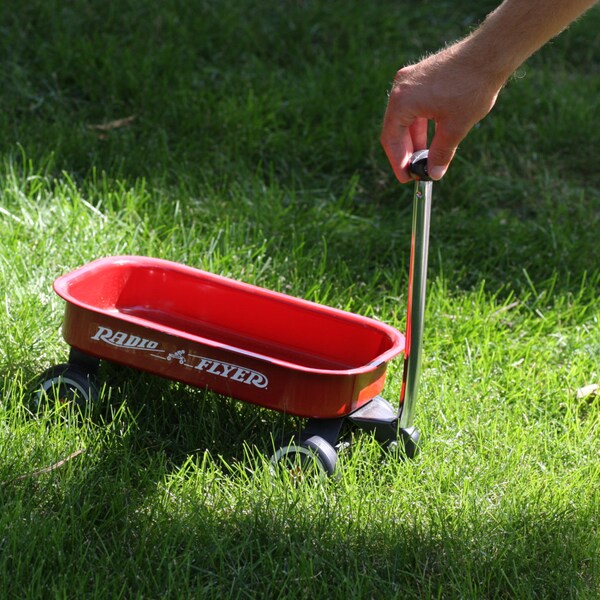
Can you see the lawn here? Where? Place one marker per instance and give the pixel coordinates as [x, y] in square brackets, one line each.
[242, 138]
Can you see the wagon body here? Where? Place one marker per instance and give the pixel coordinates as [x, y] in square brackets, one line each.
[240, 340]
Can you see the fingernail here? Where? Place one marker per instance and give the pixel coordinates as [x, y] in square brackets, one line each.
[437, 172]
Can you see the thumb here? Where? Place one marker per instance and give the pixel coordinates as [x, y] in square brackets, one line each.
[441, 151]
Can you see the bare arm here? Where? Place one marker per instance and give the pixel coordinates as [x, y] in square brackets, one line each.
[459, 85]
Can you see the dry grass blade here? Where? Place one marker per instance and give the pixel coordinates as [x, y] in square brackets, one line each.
[116, 124]
[506, 308]
[50, 468]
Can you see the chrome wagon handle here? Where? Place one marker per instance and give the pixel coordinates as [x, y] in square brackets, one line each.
[417, 284]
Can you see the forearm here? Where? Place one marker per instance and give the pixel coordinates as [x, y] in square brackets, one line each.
[517, 29]
[457, 87]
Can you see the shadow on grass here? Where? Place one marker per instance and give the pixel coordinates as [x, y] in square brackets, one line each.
[117, 525]
[167, 500]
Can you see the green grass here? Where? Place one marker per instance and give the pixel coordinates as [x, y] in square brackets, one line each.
[254, 154]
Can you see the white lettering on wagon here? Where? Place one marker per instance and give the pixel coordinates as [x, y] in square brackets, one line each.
[234, 372]
[122, 339]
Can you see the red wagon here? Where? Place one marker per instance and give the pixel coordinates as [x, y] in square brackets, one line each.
[253, 344]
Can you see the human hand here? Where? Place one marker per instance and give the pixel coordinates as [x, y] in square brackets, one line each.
[451, 88]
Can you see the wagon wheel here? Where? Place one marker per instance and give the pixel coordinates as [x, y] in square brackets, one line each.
[64, 384]
[407, 443]
[312, 457]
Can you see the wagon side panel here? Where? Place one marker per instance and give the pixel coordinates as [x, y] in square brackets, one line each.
[297, 392]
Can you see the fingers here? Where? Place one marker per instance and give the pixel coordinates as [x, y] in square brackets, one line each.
[399, 143]
[398, 155]
[398, 148]
[400, 140]
[442, 150]
[396, 141]
[418, 133]
[402, 131]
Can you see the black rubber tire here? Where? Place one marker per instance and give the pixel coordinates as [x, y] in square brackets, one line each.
[407, 443]
[324, 452]
[64, 383]
[313, 456]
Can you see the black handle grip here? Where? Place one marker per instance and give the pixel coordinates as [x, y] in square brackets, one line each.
[418, 165]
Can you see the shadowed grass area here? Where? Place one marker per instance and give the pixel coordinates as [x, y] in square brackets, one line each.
[252, 151]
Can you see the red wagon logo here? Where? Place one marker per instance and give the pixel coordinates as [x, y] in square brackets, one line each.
[128, 341]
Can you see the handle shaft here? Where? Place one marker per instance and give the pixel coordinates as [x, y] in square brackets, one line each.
[417, 285]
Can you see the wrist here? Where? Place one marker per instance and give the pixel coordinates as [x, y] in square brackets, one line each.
[487, 56]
